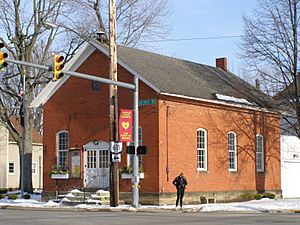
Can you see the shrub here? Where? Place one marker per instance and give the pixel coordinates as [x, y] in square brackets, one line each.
[58, 169]
[268, 195]
[264, 195]
[247, 196]
[1, 196]
[251, 196]
[128, 169]
[12, 196]
[27, 196]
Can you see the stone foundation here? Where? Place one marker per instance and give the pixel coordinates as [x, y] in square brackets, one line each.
[189, 197]
[194, 197]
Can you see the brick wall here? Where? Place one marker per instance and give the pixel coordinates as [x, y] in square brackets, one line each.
[169, 130]
[178, 149]
[77, 108]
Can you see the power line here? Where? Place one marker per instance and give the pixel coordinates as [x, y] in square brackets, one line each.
[195, 38]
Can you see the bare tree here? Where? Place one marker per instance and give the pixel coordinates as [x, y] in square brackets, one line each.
[25, 38]
[137, 20]
[270, 45]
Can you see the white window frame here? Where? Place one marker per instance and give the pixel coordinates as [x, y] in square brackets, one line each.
[65, 164]
[232, 150]
[34, 168]
[204, 149]
[260, 159]
[13, 163]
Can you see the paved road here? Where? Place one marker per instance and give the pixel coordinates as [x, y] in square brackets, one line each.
[30, 217]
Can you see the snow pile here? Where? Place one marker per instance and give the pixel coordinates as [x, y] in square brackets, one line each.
[263, 205]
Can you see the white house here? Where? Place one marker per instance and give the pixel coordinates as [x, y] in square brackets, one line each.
[10, 162]
[290, 166]
[289, 145]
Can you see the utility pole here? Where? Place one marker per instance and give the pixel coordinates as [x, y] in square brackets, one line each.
[113, 103]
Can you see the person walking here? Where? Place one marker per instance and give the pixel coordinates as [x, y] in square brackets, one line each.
[180, 183]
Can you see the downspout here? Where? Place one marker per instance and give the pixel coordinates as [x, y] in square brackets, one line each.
[167, 141]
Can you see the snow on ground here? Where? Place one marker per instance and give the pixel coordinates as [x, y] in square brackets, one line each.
[263, 205]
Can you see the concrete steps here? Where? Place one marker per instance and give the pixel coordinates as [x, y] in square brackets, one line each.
[76, 197]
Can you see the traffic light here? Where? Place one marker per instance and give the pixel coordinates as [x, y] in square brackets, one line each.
[142, 150]
[3, 56]
[130, 149]
[58, 66]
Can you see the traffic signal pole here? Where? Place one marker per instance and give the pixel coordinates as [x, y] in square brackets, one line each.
[135, 167]
[75, 74]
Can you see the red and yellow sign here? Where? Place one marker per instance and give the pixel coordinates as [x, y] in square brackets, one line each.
[125, 125]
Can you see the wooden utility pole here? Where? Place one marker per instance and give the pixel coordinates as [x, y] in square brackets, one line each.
[113, 102]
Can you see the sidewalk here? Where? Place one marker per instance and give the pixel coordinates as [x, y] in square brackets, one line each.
[254, 206]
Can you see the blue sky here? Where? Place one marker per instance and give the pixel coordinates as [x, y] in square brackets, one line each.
[206, 18]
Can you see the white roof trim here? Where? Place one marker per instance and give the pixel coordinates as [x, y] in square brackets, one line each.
[72, 65]
[220, 102]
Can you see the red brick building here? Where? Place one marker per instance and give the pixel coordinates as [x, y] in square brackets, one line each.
[197, 119]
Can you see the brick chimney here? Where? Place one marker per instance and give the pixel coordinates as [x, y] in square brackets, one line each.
[222, 63]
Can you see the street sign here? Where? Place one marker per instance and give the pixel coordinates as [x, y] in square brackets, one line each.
[151, 101]
[116, 149]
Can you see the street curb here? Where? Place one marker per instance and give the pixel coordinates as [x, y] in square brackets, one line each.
[131, 209]
[73, 209]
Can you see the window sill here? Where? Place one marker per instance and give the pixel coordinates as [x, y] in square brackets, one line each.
[60, 176]
[129, 175]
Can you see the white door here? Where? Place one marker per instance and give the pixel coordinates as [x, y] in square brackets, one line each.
[96, 165]
[290, 184]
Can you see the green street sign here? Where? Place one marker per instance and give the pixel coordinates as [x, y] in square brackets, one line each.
[147, 102]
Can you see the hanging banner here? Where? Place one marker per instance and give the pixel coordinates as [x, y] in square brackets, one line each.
[125, 125]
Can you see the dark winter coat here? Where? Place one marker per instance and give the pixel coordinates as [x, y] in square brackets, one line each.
[180, 182]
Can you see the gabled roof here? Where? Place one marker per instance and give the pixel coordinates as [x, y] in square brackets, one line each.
[172, 76]
[36, 136]
[181, 77]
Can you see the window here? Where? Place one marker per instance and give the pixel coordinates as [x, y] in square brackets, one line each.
[96, 85]
[232, 150]
[201, 149]
[130, 161]
[103, 159]
[259, 153]
[34, 168]
[11, 168]
[62, 148]
[91, 159]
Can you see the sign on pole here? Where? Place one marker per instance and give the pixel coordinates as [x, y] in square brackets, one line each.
[125, 125]
[116, 149]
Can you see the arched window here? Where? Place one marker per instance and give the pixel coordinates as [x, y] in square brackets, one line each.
[201, 149]
[260, 153]
[62, 148]
[232, 151]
